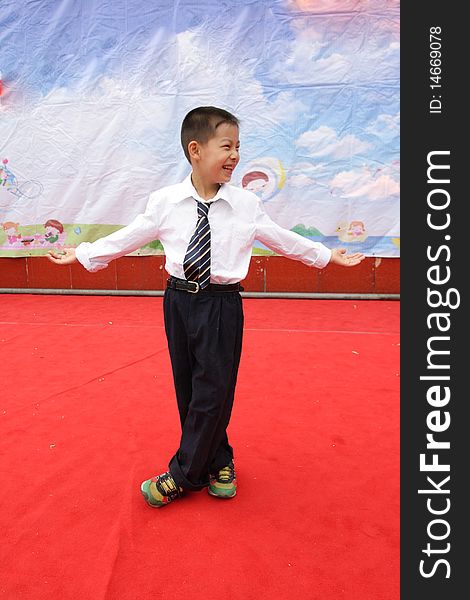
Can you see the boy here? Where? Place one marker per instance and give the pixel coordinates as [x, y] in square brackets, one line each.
[207, 228]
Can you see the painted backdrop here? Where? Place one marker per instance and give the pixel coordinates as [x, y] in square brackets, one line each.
[92, 95]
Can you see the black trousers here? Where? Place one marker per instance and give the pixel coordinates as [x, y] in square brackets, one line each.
[204, 333]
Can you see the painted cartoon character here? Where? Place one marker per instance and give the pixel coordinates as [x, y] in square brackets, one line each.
[354, 232]
[28, 189]
[53, 230]
[12, 231]
[356, 228]
[265, 177]
[3, 172]
[7, 178]
[255, 181]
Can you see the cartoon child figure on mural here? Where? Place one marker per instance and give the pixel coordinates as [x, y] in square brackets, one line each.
[53, 230]
[356, 228]
[255, 181]
[265, 177]
[7, 178]
[12, 231]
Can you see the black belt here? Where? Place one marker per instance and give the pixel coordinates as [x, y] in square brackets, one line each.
[193, 286]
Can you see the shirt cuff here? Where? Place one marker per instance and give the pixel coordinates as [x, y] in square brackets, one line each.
[82, 254]
[324, 256]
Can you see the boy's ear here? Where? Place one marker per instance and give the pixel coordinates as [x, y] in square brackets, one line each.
[193, 149]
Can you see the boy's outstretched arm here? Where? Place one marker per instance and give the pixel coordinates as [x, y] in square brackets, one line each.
[94, 256]
[339, 256]
[67, 257]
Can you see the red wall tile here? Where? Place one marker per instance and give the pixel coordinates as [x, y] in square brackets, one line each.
[266, 273]
[101, 280]
[255, 279]
[286, 275]
[353, 280]
[13, 273]
[141, 273]
[44, 274]
[387, 275]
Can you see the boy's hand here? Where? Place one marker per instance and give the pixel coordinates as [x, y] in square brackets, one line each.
[67, 257]
[339, 256]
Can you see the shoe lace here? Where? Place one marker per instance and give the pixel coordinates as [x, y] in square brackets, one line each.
[167, 487]
[227, 474]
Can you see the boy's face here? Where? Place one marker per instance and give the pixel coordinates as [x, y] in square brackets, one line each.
[218, 157]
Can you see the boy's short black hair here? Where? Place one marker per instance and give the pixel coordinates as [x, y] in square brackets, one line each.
[201, 123]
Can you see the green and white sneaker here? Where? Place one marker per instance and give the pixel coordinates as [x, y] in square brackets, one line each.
[224, 483]
[160, 490]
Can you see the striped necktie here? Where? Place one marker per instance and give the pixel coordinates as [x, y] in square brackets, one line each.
[197, 262]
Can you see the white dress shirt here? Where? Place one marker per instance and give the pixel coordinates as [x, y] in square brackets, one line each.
[236, 218]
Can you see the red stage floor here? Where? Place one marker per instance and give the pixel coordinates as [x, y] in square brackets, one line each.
[88, 412]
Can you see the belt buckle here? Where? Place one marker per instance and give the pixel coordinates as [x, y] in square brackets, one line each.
[196, 290]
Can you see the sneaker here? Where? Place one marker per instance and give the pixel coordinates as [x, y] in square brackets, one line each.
[224, 483]
[160, 490]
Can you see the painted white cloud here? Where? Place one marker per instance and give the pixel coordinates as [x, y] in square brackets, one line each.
[365, 183]
[304, 61]
[386, 127]
[324, 141]
[300, 180]
[365, 50]
[307, 175]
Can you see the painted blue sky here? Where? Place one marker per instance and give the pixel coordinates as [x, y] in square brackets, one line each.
[94, 85]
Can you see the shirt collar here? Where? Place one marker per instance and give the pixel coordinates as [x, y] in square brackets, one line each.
[187, 190]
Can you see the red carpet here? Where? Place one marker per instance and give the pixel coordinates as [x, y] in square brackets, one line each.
[88, 412]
